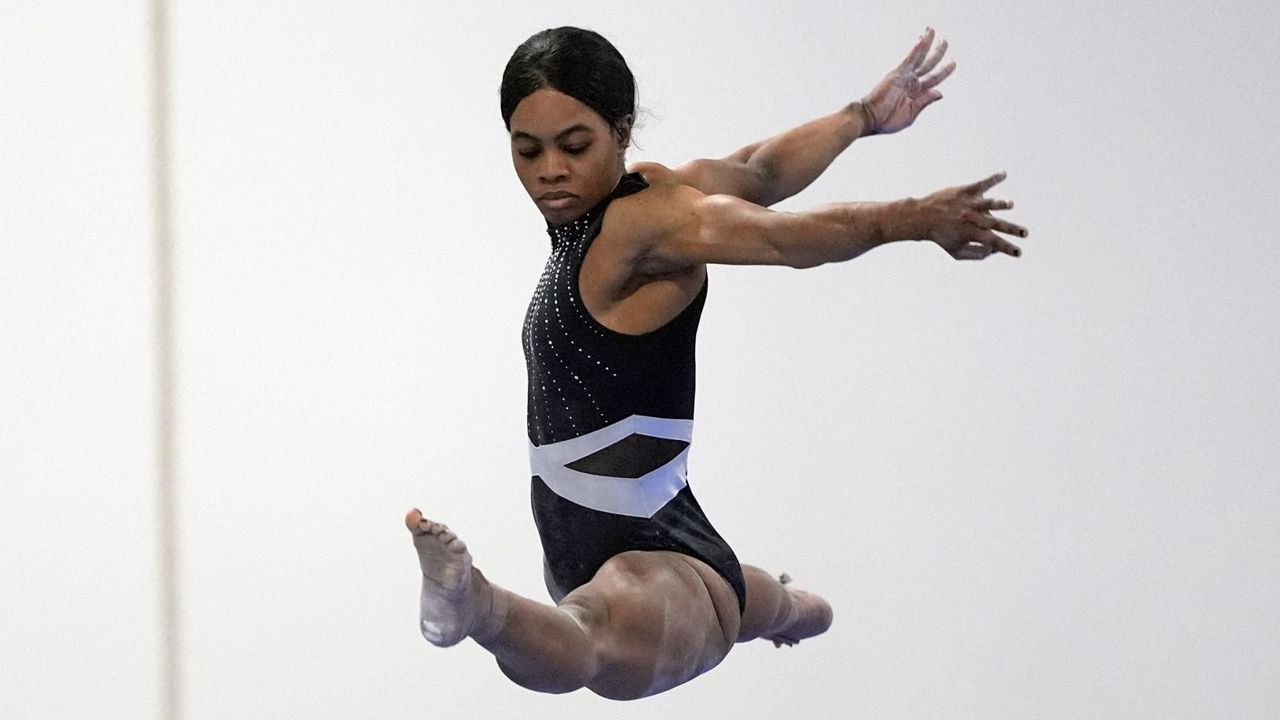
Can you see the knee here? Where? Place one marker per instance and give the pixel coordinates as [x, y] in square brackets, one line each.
[768, 604]
[628, 567]
[625, 580]
[564, 680]
[586, 606]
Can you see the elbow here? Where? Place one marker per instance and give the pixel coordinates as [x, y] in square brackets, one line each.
[798, 256]
[766, 181]
[808, 263]
[820, 241]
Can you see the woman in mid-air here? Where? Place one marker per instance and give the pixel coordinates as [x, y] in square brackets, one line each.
[648, 595]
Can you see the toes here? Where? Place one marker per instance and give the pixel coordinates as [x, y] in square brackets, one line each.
[420, 525]
[412, 519]
[424, 529]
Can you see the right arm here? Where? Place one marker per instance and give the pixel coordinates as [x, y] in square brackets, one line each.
[722, 229]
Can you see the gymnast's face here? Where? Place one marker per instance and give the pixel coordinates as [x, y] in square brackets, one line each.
[567, 156]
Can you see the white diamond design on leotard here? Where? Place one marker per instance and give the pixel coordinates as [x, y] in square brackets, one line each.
[638, 497]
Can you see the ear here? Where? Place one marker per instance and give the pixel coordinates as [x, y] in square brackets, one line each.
[622, 131]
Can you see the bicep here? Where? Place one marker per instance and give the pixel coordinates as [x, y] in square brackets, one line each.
[733, 175]
[727, 230]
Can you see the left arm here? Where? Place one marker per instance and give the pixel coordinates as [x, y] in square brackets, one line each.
[772, 170]
[769, 171]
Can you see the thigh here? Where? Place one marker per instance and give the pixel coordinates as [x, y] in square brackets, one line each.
[657, 619]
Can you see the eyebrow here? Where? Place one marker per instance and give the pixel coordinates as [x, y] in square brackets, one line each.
[580, 127]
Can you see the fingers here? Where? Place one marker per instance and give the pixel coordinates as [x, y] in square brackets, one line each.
[985, 245]
[975, 238]
[934, 57]
[1007, 227]
[987, 222]
[984, 242]
[992, 224]
[971, 251]
[996, 244]
[987, 183]
[930, 98]
[934, 79]
[918, 52]
[1006, 247]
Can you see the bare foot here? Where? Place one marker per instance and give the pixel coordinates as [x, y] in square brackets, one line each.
[810, 615]
[454, 598]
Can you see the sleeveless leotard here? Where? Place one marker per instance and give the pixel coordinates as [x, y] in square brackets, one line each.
[610, 424]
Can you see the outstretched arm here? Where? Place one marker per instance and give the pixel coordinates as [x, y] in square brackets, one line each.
[728, 230]
[772, 170]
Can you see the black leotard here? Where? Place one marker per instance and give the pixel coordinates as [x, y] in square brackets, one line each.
[610, 423]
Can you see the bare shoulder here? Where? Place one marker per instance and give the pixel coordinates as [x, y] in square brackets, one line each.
[642, 224]
[656, 174]
[665, 205]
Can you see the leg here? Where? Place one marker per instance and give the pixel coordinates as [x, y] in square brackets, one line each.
[647, 621]
[780, 613]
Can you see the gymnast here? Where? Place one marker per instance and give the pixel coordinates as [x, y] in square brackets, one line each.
[647, 594]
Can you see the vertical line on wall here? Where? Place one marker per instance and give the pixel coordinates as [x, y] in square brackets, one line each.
[166, 476]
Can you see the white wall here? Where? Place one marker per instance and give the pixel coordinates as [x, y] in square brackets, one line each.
[1041, 487]
[77, 634]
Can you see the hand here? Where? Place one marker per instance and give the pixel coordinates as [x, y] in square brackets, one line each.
[898, 99]
[959, 220]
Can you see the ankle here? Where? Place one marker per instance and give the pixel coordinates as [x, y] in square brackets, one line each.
[493, 606]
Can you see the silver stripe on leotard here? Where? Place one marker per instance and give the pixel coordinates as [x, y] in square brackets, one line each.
[637, 497]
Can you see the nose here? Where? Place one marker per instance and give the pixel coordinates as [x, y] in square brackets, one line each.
[553, 168]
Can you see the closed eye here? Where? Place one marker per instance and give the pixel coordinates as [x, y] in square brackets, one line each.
[577, 149]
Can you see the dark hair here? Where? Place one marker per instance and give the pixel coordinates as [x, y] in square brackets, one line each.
[579, 63]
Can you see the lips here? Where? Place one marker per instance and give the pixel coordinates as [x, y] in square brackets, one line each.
[557, 199]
